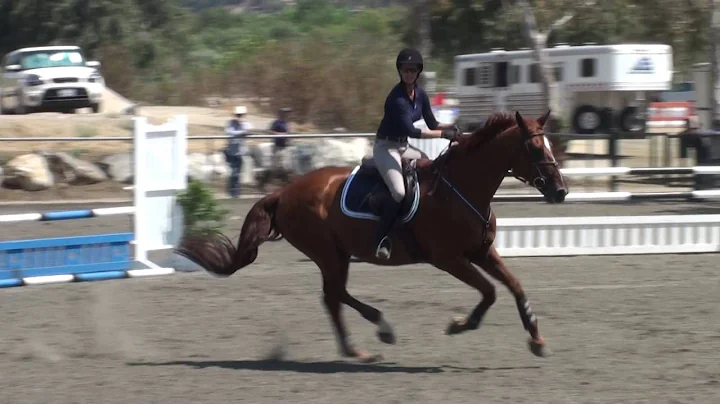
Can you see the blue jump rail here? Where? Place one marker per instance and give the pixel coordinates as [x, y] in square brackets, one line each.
[70, 259]
[80, 258]
[67, 215]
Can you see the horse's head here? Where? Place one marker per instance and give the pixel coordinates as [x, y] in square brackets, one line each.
[536, 164]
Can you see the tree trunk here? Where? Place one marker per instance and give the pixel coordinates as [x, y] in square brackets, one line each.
[538, 41]
[551, 91]
[422, 14]
[714, 57]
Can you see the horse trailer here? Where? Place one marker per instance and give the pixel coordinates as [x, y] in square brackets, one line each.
[601, 87]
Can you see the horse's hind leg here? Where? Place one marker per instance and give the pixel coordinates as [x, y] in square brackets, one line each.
[493, 264]
[339, 279]
[463, 270]
[334, 264]
[373, 315]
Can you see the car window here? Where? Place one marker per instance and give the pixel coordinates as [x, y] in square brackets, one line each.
[8, 60]
[40, 59]
[12, 59]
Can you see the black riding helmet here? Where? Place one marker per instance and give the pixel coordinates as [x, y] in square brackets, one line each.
[409, 56]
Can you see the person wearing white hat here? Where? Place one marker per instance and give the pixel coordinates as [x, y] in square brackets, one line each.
[236, 129]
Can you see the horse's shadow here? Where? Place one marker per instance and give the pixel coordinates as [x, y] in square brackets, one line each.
[323, 367]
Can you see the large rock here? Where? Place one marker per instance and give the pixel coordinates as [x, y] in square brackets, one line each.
[75, 171]
[30, 172]
[220, 167]
[199, 167]
[329, 152]
[119, 167]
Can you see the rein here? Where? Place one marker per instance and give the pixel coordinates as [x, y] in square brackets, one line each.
[538, 182]
[439, 176]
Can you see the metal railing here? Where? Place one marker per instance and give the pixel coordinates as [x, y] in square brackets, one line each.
[573, 136]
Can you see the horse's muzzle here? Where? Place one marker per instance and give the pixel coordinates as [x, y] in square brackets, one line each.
[556, 197]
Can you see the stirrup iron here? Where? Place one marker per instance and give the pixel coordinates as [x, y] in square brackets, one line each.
[384, 249]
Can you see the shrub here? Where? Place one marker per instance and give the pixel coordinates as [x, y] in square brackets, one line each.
[201, 211]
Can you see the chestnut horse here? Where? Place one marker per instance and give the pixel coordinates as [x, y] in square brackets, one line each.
[452, 227]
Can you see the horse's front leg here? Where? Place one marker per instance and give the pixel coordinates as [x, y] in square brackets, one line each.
[464, 270]
[494, 265]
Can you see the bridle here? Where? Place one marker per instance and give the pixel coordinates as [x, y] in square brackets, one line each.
[538, 160]
[539, 182]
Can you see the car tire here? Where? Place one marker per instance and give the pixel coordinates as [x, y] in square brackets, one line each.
[95, 108]
[21, 109]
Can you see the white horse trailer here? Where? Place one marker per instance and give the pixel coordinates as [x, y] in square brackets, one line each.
[601, 86]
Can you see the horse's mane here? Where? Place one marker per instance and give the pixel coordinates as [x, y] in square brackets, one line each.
[496, 124]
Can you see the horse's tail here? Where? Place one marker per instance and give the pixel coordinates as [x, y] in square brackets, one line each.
[216, 252]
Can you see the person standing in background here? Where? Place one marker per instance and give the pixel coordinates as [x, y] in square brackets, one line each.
[278, 127]
[236, 129]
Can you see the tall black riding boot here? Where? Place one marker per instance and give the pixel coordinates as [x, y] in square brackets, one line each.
[390, 211]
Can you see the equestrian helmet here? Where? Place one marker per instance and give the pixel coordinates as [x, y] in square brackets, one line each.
[409, 56]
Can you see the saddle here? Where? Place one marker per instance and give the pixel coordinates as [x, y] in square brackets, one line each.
[376, 196]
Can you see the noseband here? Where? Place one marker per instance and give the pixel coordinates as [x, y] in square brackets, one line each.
[538, 182]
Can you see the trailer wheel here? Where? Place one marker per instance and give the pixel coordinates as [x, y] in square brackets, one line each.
[629, 121]
[587, 120]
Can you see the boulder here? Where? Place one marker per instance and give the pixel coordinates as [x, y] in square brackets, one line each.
[74, 170]
[29, 172]
[119, 167]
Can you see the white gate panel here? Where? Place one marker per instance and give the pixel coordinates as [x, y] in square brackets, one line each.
[567, 236]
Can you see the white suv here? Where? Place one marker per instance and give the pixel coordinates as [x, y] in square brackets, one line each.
[51, 78]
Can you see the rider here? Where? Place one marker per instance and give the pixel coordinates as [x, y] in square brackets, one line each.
[406, 103]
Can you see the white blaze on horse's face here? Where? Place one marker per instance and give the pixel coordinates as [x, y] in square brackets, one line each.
[549, 149]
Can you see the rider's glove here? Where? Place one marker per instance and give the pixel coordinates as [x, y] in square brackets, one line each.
[450, 133]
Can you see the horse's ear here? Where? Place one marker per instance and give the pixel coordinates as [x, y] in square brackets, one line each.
[543, 119]
[521, 123]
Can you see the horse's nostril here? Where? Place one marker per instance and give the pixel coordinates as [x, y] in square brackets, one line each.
[560, 195]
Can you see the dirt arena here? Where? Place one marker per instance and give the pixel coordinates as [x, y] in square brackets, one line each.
[622, 330]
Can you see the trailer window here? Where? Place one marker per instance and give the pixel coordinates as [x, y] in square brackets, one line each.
[485, 75]
[558, 69]
[469, 77]
[514, 74]
[534, 73]
[587, 67]
[501, 74]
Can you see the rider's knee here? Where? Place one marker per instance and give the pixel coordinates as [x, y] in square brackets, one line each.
[398, 194]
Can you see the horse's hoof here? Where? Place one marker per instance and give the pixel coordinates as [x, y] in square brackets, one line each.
[456, 326]
[361, 356]
[539, 348]
[386, 337]
[366, 357]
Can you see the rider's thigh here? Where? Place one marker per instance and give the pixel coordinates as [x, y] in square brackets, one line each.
[410, 152]
[387, 160]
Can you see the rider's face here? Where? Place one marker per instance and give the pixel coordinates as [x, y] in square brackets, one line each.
[409, 73]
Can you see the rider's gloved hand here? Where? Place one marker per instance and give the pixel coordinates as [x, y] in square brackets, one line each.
[450, 133]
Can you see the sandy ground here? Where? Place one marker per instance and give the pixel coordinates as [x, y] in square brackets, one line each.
[626, 329]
